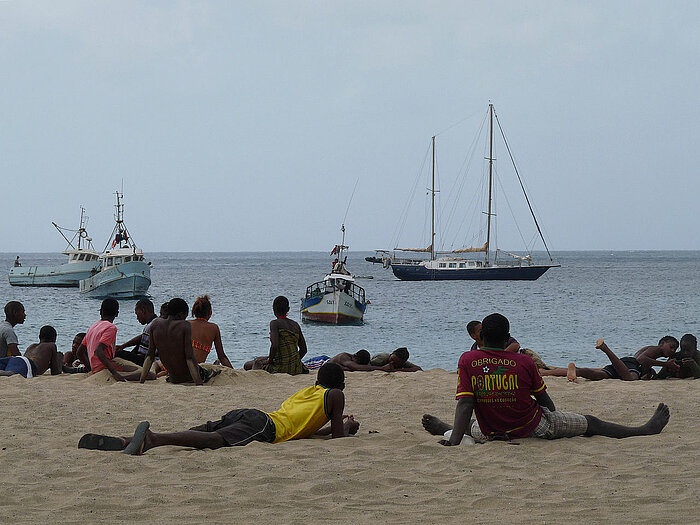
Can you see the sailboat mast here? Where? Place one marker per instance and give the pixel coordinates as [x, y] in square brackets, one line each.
[432, 209]
[488, 216]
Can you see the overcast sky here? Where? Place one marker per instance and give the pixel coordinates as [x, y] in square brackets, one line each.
[243, 126]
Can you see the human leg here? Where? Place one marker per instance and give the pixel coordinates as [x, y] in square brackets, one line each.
[620, 367]
[435, 425]
[572, 372]
[598, 427]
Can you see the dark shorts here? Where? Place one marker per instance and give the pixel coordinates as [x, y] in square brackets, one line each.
[630, 362]
[242, 426]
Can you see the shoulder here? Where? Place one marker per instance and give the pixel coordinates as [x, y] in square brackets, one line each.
[335, 400]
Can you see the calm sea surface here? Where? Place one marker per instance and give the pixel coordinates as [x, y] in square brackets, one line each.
[629, 298]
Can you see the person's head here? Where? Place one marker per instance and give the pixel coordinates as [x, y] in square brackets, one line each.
[77, 340]
[474, 330]
[47, 334]
[689, 344]
[399, 357]
[280, 306]
[331, 375]
[164, 310]
[144, 310]
[495, 331]
[361, 357]
[14, 313]
[177, 308]
[109, 308]
[668, 344]
[202, 307]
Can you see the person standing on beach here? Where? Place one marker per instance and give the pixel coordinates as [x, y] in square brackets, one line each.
[145, 314]
[625, 368]
[301, 415]
[171, 338]
[99, 344]
[510, 399]
[14, 315]
[206, 334]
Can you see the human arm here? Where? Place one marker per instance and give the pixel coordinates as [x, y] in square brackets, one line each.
[274, 341]
[335, 404]
[101, 354]
[82, 355]
[513, 345]
[13, 349]
[302, 345]
[191, 361]
[56, 361]
[692, 365]
[220, 350]
[463, 414]
[134, 341]
[647, 357]
[544, 400]
[407, 367]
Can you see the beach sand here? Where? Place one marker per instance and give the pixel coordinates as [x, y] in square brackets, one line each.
[391, 472]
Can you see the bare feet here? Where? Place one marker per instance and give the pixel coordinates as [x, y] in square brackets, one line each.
[571, 373]
[659, 420]
[600, 345]
[434, 425]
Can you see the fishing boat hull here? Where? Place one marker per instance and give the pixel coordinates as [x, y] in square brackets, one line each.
[419, 272]
[122, 281]
[63, 275]
[334, 307]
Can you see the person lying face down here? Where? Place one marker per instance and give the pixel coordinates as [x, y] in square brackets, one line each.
[510, 399]
[397, 361]
[301, 415]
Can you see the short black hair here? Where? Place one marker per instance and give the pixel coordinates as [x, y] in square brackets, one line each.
[362, 357]
[688, 343]
[177, 306]
[401, 353]
[145, 304]
[331, 375]
[471, 326]
[47, 333]
[110, 307]
[280, 306]
[669, 339]
[81, 335]
[495, 330]
[12, 308]
[164, 308]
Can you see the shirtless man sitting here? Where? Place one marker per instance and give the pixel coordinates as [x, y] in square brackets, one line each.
[172, 339]
[626, 368]
[37, 359]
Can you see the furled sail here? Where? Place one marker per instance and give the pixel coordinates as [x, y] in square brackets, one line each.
[429, 249]
[483, 248]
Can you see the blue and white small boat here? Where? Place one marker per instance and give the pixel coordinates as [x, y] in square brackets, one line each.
[123, 273]
[82, 261]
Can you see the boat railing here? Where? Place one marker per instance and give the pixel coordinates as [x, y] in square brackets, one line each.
[321, 288]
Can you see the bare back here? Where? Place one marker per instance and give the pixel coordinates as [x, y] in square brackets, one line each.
[172, 338]
[45, 355]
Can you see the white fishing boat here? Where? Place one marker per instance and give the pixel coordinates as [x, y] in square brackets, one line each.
[338, 299]
[123, 273]
[452, 265]
[82, 261]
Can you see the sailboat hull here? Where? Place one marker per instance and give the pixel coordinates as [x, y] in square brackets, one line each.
[418, 272]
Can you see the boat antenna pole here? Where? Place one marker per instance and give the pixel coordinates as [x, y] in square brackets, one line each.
[488, 216]
[432, 209]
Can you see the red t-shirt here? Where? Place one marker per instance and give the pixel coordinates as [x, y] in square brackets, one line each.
[101, 332]
[501, 384]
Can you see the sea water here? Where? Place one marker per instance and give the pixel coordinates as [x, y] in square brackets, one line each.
[630, 299]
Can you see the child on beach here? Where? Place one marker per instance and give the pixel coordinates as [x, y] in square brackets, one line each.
[37, 359]
[625, 368]
[396, 361]
[510, 399]
[300, 416]
[145, 314]
[687, 359]
[14, 315]
[206, 334]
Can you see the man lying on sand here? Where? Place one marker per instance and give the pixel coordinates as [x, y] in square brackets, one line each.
[396, 361]
[300, 416]
[360, 361]
[626, 368]
[687, 359]
[499, 387]
[171, 338]
[38, 358]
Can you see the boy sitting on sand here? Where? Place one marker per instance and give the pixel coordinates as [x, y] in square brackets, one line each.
[626, 368]
[687, 359]
[300, 416]
[37, 359]
[171, 338]
[499, 387]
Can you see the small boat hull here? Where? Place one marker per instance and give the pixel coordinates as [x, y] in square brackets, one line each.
[62, 275]
[419, 272]
[122, 281]
[335, 307]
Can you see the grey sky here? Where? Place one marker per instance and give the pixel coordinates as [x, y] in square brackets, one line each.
[244, 125]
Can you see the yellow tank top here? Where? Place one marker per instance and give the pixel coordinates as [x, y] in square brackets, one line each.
[301, 415]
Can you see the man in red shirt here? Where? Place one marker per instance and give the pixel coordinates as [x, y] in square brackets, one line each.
[510, 399]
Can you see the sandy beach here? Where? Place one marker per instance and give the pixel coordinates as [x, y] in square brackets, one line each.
[392, 471]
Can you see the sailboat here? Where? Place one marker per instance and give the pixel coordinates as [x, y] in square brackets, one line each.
[82, 260]
[452, 265]
[337, 299]
[123, 273]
